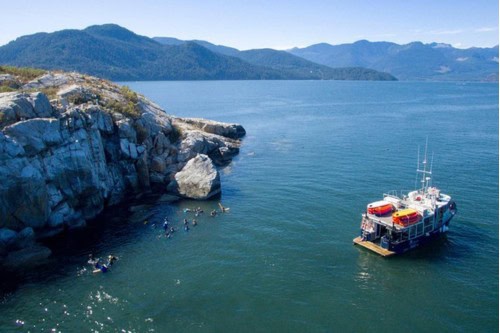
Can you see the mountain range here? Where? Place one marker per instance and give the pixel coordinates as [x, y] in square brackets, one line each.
[113, 52]
[296, 67]
[413, 61]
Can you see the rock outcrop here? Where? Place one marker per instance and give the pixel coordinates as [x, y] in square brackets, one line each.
[198, 179]
[234, 131]
[71, 145]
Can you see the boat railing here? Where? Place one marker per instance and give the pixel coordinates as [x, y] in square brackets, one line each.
[392, 194]
[396, 194]
[401, 194]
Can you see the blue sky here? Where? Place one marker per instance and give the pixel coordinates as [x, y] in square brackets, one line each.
[275, 24]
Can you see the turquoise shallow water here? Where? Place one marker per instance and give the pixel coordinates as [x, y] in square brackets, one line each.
[282, 259]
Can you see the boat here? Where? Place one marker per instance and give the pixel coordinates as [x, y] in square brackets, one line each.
[415, 217]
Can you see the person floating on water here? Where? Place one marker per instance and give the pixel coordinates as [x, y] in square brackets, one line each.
[186, 227]
[111, 260]
[165, 224]
[199, 211]
[223, 209]
[194, 222]
[185, 221]
[104, 267]
[213, 213]
[98, 267]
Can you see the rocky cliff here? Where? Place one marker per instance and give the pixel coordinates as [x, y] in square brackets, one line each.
[71, 145]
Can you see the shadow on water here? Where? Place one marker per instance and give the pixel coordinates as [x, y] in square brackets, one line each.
[103, 235]
[447, 248]
[70, 249]
[437, 250]
[434, 251]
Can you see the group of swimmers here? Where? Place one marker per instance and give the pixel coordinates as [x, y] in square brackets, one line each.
[169, 230]
[99, 266]
[197, 211]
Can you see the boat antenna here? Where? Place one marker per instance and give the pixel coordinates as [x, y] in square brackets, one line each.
[425, 174]
[430, 171]
[418, 164]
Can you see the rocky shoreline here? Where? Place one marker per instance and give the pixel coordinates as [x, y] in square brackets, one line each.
[72, 145]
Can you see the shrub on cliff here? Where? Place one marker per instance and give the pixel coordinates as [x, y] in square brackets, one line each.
[128, 108]
[25, 74]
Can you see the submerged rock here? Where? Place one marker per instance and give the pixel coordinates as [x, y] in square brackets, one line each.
[29, 256]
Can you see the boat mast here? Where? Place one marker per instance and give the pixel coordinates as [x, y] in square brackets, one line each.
[418, 164]
[425, 174]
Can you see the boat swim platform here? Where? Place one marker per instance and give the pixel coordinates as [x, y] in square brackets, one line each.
[373, 247]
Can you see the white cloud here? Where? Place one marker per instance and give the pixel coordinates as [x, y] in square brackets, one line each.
[486, 29]
[446, 32]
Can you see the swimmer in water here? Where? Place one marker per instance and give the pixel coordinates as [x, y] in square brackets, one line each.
[111, 260]
[104, 267]
[98, 267]
[213, 213]
[185, 221]
[186, 227]
[194, 222]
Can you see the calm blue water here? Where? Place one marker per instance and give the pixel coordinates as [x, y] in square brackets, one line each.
[282, 259]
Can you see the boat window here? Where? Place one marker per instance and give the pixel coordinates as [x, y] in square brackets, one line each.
[396, 236]
[420, 229]
[404, 235]
[412, 232]
[427, 221]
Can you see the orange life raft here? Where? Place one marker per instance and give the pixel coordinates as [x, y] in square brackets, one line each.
[405, 217]
[379, 208]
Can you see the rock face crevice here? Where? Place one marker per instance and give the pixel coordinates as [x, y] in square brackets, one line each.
[63, 160]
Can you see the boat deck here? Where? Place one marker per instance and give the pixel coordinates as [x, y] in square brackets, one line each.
[373, 247]
[385, 220]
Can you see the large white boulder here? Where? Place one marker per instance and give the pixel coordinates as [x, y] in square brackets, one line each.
[198, 179]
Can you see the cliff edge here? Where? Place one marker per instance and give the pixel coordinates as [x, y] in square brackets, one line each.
[72, 144]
